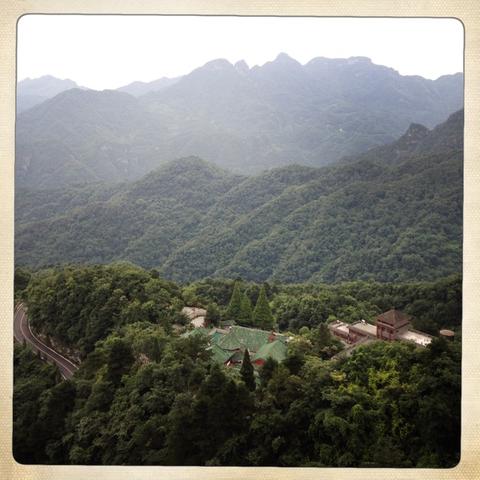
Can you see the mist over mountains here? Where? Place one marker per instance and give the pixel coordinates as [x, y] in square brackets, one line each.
[31, 92]
[391, 214]
[243, 119]
[137, 89]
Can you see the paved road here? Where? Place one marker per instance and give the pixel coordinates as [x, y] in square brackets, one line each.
[22, 332]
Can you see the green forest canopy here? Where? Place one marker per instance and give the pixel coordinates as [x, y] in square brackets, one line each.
[146, 396]
[362, 221]
[388, 405]
[80, 305]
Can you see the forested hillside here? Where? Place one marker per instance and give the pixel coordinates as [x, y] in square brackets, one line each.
[79, 305]
[240, 118]
[389, 405]
[383, 217]
[419, 140]
[145, 395]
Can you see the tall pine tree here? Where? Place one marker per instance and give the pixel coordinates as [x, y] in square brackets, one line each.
[246, 371]
[235, 306]
[213, 315]
[262, 315]
[320, 338]
[246, 311]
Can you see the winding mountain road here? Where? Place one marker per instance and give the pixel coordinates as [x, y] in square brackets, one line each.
[23, 333]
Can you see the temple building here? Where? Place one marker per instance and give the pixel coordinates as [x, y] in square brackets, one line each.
[391, 325]
[228, 345]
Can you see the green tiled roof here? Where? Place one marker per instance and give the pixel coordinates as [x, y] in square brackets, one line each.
[276, 350]
[216, 336]
[219, 355]
[237, 356]
[213, 333]
[232, 344]
[242, 337]
[195, 332]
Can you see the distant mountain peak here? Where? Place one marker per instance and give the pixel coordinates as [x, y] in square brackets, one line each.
[417, 140]
[33, 91]
[45, 77]
[352, 60]
[284, 58]
[415, 132]
[47, 81]
[186, 170]
[457, 116]
[86, 93]
[411, 139]
[138, 88]
[218, 64]
[241, 66]
[282, 62]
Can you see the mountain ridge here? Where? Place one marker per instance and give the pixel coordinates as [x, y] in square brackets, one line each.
[369, 219]
[244, 119]
[139, 88]
[33, 91]
[446, 136]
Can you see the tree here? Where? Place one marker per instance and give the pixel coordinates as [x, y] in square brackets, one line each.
[119, 359]
[235, 306]
[304, 331]
[21, 278]
[267, 370]
[31, 378]
[213, 315]
[246, 371]
[262, 315]
[320, 338]
[246, 311]
[55, 406]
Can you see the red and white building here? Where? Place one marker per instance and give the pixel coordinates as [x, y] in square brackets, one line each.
[389, 326]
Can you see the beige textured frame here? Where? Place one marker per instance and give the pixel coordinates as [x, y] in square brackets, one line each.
[467, 11]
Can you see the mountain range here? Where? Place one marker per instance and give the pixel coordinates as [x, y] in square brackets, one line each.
[393, 213]
[33, 91]
[137, 89]
[243, 119]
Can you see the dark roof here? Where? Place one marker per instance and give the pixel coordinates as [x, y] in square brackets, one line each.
[393, 317]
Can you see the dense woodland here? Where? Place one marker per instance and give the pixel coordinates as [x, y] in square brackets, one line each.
[146, 395]
[363, 220]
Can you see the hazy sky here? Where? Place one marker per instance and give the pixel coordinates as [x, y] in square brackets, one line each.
[110, 51]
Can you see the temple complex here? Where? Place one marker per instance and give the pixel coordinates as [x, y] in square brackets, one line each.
[391, 325]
